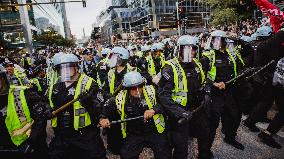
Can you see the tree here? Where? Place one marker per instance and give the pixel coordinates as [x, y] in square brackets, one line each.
[50, 38]
[230, 11]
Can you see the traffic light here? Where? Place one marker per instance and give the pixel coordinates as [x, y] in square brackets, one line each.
[84, 3]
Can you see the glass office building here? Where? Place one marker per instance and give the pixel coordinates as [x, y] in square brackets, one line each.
[49, 15]
[10, 26]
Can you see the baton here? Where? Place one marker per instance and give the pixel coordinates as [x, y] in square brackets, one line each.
[125, 120]
[9, 151]
[261, 69]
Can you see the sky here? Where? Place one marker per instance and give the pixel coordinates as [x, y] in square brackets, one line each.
[80, 17]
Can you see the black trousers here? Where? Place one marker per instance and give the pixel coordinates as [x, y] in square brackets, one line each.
[278, 120]
[199, 128]
[86, 144]
[223, 105]
[134, 145]
[265, 101]
[178, 135]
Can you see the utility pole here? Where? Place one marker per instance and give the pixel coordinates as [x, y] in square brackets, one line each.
[25, 21]
[178, 25]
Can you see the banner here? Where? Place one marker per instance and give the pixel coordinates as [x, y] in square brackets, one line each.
[275, 14]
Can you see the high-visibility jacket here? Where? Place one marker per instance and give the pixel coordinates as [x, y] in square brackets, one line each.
[196, 61]
[81, 116]
[150, 97]
[111, 77]
[212, 57]
[16, 98]
[20, 76]
[151, 66]
[179, 93]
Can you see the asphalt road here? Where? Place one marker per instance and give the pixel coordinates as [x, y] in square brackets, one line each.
[254, 149]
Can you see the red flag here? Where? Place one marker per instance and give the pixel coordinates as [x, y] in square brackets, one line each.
[275, 14]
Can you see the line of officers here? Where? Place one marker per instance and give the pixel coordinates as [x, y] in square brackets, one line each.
[184, 96]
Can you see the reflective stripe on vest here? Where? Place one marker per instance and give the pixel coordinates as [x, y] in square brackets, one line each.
[212, 57]
[20, 76]
[81, 116]
[150, 97]
[111, 77]
[179, 93]
[200, 69]
[151, 66]
[16, 98]
[36, 82]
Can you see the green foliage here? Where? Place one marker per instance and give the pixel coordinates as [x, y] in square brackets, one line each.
[230, 11]
[224, 16]
[51, 38]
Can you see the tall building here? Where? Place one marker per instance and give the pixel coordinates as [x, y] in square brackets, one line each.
[146, 18]
[41, 17]
[50, 15]
[11, 29]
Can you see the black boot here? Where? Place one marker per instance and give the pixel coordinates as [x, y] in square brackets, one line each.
[251, 126]
[234, 143]
[268, 140]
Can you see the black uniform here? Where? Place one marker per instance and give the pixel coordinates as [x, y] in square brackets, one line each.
[269, 93]
[223, 102]
[37, 139]
[142, 65]
[102, 69]
[139, 133]
[198, 126]
[85, 142]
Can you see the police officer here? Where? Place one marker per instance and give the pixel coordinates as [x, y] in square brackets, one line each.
[181, 78]
[146, 65]
[39, 80]
[22, 121]
[74, 130]
[258, 112]
[223, 68]
[158, 55]
[138, 99]
[272, 86]
[15, 76]
[119, 67]
[88, 66]
[103, 67]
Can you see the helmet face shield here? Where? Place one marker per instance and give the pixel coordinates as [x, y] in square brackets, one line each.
[115, 60]
[68, 72]
[217, 43]
[186, 53]
[4, 85]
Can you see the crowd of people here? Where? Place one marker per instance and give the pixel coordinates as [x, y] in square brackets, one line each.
[150, 93]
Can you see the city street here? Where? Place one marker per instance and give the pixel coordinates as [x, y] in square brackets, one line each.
[254, 149]
[139, 78]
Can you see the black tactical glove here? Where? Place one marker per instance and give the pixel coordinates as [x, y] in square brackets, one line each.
[26, 148]
[185, 117]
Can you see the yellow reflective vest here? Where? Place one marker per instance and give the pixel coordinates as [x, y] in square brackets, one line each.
[81, 116]
[179, 93]
[111, 77]
[150, 97]
[212, 57]
[16, 98]
[151, 66]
